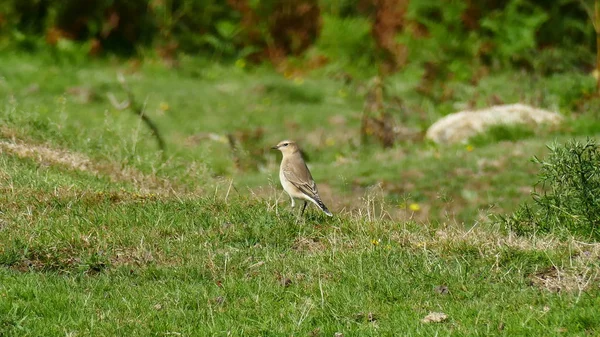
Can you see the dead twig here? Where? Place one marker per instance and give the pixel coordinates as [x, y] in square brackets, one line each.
[138, 110]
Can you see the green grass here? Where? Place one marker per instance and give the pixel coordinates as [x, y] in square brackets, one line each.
[103, 238]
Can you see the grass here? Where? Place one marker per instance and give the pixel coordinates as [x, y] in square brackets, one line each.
[101, 237]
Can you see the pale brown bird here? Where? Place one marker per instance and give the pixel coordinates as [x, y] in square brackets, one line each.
[296, 178]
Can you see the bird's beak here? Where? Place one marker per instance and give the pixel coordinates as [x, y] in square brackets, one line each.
[274, 147]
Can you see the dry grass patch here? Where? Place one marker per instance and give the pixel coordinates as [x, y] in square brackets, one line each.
[68, 196]
[139, 257]
[308, 245]
[580, 272]
[61, 260]
[88, 256]
[49, 156]
[569, 279]
[490, 240]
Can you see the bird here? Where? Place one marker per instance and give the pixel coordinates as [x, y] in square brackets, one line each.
[295, 177]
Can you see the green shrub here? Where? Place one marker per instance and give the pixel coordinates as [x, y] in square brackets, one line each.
[449, 36]
[124, 25]
[513, 30]
[119, 25]
[439, 40]
[199, 25]
[571, 91]
[341, 8]
[567, 196]
[356, 51]
[450, 39]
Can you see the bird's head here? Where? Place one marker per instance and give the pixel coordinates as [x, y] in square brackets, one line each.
[286, 147]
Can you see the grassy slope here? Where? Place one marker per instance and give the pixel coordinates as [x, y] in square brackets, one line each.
[133, 246]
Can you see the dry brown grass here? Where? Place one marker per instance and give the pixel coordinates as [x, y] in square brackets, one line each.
[71, 160]
[308, 245]
[581, 272]
[571, 279]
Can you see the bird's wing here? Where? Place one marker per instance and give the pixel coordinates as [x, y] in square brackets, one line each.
[297, 173]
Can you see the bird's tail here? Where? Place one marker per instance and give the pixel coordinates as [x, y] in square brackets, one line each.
[323, 207]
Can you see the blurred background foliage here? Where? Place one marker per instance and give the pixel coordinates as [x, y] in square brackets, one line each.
[461, 40]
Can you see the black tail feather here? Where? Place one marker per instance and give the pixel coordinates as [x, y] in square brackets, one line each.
[323, 207]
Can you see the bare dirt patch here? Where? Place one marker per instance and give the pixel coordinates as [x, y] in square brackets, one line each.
[46, 155]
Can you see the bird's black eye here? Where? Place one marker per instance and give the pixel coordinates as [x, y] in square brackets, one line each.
[285, 144]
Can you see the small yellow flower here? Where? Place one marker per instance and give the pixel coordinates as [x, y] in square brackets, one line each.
[375, 242]
[298, 80]
[163, 106]
[469, 148]
[240, 63]
[414, 207]
[339, 158]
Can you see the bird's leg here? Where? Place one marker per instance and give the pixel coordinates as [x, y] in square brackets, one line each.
[293, 202]
[303, 208]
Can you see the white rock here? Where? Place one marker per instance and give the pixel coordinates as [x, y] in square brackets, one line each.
[460, 126]
[434, 317]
